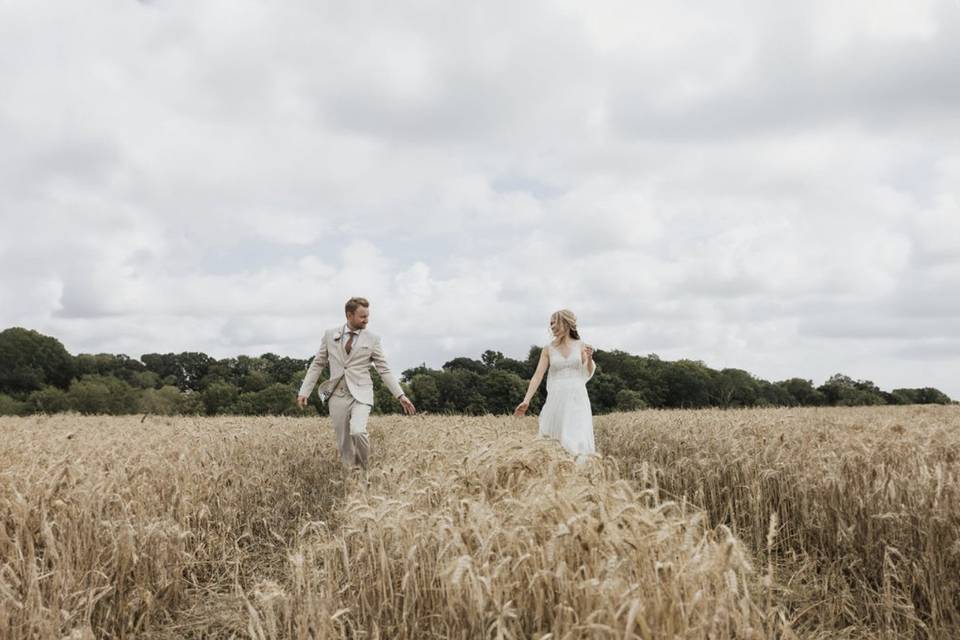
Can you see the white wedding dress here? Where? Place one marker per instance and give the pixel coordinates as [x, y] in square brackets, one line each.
[566, 415]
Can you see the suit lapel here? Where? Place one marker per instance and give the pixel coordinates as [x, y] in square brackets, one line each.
[339, 345]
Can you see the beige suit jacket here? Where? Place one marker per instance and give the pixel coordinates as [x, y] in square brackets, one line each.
[366, 353]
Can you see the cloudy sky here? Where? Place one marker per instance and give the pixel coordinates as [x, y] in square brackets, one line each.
[767, 185]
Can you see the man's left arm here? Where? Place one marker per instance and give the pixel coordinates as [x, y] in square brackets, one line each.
[379, 359]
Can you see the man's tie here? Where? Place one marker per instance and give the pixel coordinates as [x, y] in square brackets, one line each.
[349, 345]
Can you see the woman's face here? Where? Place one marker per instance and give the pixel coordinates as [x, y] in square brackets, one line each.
[556, 328]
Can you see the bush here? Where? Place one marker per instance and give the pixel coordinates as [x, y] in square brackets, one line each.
[103, 394]
[169, 401]
[926, 395]
[10, 406]
[219, 397]
[277, 399]
[48, 400]
[146, 380]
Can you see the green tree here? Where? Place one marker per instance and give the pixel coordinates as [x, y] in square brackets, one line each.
[773, 395]
[276, 399]
[187, 370]
[459, 390]
[926, 395]
[862, 398]
[219, 397]
[689, 384]
[193, 367]
[902, 396]
[644, 375]
[119, 366]
[165, 365]
[491, 358]
[467, 364]
[282, 368]
[630, 400]
[219, 371]
[30, 361]
[603, 390]
[517, 367]
[502, 391]
[836, 388]
[736, 388]
[533, 357]
[146, 380]
[35, 369]
[408, 374]
[803, 392]
[255, 381]
[930, 395]
[426, 393]
[384, 402]
[841, 390]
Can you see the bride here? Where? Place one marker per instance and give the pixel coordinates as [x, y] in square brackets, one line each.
[568, 362]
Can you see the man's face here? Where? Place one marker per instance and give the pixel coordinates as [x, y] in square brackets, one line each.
[359, 318]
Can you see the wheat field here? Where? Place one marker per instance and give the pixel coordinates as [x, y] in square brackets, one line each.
[779, 523]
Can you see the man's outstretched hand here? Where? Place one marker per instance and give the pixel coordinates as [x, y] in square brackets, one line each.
[408, 407]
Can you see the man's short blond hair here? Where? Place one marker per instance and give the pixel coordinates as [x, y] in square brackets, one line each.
[353, 303]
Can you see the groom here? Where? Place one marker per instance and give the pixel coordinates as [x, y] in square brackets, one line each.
[351, 351]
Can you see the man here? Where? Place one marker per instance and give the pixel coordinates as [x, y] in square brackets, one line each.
[351, 352]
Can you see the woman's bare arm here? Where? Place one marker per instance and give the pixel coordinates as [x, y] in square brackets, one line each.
[534, 382]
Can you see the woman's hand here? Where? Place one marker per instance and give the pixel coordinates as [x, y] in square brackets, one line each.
[521, 408]
[587, 354]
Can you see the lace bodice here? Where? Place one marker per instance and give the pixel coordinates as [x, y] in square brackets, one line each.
[571, 366]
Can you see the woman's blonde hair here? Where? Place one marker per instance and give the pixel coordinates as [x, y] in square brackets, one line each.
[566, 319]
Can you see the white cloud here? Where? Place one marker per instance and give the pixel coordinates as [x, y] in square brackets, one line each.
[767, 186]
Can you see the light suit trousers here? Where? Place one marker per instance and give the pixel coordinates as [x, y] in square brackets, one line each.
[349, 419]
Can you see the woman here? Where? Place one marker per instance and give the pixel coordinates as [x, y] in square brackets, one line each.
[568, 363]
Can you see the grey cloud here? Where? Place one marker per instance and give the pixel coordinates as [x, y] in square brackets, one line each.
[884, 321]
[536, 186]
[867, 328]
[464, 76]
[29, 165]
[936, 303]
[786, 87]
[935, 350]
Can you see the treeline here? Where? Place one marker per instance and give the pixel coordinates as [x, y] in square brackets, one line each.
[38, 375]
